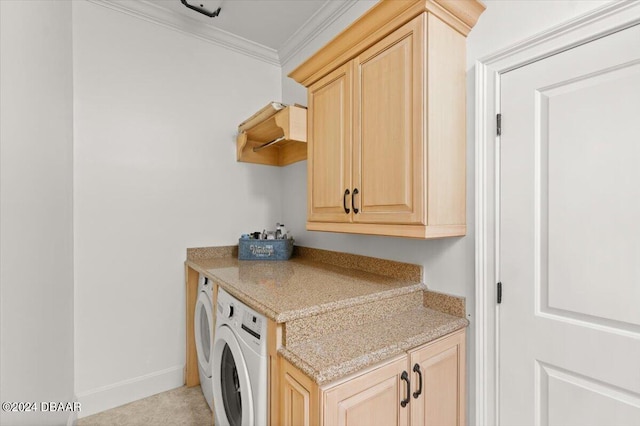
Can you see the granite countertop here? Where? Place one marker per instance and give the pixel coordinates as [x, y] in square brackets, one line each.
[341, 312]
[298, 288]
[336, 355]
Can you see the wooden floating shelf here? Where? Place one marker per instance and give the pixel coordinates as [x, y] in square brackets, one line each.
[286, 129]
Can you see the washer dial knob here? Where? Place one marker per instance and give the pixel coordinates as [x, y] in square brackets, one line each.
[227, 310]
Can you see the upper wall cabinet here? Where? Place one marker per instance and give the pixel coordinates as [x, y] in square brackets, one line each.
[386, 122]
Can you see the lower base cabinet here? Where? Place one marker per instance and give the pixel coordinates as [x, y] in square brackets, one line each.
[440, 366]
[424, 387]
[298, 397]
[372, 399]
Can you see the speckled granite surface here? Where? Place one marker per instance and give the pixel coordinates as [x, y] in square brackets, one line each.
[339, 354]
[390, 268]
[199, 253]
[299, 288]
[313, 327]
[339, 316]
[452, 305]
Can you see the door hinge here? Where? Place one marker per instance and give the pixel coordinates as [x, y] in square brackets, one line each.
[499, 292]
[499, 124]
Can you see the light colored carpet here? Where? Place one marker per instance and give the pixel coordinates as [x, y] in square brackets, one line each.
[181, 407]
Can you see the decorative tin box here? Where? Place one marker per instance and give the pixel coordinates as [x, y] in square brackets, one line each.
[249, 249]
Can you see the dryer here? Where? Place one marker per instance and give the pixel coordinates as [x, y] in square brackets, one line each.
[239, 364]
[203, 325]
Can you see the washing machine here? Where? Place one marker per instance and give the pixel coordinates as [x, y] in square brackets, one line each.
[203, 324]
[239, 363]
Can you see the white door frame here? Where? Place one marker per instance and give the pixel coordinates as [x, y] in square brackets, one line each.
[582, 29]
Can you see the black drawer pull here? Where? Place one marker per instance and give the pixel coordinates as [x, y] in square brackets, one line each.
[416, 369]
[405, 401]
[353, 203]
[344, 201]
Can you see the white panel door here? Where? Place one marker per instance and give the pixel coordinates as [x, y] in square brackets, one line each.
[569, 322]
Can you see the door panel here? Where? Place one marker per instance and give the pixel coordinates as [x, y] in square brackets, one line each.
[232, 398]
[388, 163]
[296, 403]
[600, 404]
[369, 400]
[203, 334]
[442, 401]
[329, 146]
[569, 326]
[598, 141]
[299, 399]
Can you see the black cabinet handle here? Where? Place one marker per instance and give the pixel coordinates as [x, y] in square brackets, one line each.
[405, 401]
[353, 204]
[416, 369]
[344, 201]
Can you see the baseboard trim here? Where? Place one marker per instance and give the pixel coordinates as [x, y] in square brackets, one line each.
[73, 416]
[117, 394]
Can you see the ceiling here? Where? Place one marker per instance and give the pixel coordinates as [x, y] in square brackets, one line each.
[266, 22]
[272, 31]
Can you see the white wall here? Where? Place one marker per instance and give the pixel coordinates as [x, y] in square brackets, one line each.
[156, 113]
[36, 207]
[448, 263]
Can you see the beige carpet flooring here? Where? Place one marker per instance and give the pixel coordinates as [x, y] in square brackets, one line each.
[181, 407]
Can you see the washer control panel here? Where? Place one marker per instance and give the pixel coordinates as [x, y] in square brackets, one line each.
[247, 324]
[252, 324]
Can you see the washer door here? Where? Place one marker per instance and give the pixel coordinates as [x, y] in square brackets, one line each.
[204, 337]
[232, 401]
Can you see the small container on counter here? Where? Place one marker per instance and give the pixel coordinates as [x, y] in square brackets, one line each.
[265, 249]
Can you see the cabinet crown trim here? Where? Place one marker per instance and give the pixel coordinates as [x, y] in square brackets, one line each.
[383, 18]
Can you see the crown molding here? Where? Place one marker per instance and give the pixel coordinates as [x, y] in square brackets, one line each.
[313, 26]
[157, 14]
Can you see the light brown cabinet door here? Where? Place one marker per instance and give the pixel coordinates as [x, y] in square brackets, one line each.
[389, 153]
[441, 401]
[329, 147]
[372, 399]
[299, 397]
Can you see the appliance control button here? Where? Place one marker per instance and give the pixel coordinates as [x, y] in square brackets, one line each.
[226, 310]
